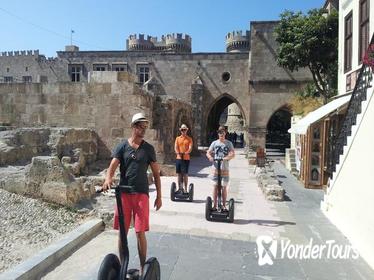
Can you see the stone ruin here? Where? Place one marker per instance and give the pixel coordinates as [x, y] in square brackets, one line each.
[55, 158]
[270, 185]
[59, 165]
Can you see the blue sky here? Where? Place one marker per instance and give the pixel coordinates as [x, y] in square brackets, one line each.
[105, 25]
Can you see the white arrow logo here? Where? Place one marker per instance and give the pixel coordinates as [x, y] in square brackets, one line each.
[267, 249]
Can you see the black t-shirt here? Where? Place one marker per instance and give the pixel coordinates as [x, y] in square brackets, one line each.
[134, 164]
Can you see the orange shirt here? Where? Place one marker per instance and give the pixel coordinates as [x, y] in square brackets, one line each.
[183, 143]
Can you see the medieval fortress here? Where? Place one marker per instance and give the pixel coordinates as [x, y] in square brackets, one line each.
[78, 105]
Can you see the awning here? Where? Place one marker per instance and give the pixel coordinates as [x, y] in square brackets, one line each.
[302, 125]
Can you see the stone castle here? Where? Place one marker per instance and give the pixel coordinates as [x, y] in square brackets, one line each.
[101, 89]
[246, 74]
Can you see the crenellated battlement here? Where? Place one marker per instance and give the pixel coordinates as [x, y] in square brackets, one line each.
[139, 42]
[236, 41]
[21, 53]
[174, 42]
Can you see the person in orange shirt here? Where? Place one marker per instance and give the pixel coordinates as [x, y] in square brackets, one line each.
[183, 147]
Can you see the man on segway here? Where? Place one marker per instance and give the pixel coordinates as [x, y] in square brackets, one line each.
[183, 147]
[134, 155]
[221, 149]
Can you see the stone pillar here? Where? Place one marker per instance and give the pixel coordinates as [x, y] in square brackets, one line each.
[234, 119]
[257, 136]
[197, 91]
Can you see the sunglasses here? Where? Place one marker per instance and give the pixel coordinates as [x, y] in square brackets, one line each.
[183, 129]
[139, 126]
[221, 132]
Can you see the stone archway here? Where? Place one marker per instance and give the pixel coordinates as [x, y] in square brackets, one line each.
[217, 115]
[277, 136]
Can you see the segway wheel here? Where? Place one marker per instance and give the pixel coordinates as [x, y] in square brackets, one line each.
[151, 270]
[190, 192]
[173, 189]
[109, 268]
[208, 208]
[231, 210]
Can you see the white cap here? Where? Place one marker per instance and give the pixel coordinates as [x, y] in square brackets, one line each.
[138, 117]
[183, 126]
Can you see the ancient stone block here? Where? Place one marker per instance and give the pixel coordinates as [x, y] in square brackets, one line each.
[274, 192]
[47, 178]
[117, 132]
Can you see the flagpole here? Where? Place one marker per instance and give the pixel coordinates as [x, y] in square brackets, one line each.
[71, 37]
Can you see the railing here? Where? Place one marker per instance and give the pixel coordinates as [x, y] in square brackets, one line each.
[359, 94]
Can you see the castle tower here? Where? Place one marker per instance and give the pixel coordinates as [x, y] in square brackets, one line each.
[174, 43]
[237, 42]
[234, 120]
[138, 43]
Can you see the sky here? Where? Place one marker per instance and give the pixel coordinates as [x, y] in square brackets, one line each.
[105, 25]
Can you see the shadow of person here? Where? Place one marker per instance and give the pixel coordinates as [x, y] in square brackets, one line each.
[241, 221]
[271, 223]
[267, 223]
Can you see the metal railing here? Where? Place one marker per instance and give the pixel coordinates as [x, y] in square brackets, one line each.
[359, 95]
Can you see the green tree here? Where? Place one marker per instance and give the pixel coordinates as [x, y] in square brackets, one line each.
[310, 41]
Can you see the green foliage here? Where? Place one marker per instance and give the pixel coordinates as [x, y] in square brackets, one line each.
[302, 105]
[310, 41]
[309, 90]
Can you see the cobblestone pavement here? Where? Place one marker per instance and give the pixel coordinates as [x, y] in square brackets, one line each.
[189, 247]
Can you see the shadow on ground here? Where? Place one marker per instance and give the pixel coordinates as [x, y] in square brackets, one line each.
[269, 223]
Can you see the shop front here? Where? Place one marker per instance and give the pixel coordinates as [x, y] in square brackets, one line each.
[315, 136]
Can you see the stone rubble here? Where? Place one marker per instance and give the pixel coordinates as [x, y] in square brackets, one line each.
[28, 225]
[270, 185]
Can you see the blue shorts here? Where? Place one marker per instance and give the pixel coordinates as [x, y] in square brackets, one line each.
[182, 166]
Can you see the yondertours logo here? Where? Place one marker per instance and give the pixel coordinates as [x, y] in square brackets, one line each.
[267, 249]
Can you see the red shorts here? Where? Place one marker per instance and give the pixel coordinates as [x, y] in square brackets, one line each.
[134, 206]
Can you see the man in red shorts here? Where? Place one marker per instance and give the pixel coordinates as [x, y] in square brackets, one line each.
[133, 156]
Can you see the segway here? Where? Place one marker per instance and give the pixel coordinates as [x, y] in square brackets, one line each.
[219, 214]
[180, 194]
[111, 268]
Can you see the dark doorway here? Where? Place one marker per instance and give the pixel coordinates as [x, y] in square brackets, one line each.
[214, 117]
[277, 136]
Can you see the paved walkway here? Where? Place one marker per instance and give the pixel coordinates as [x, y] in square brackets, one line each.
[189, 247]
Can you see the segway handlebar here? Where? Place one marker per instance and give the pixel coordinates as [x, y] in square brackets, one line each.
[119, 187]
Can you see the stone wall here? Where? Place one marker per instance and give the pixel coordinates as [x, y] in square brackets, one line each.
[263, 65]
[104, 107]
[168, 115]
[24, 63]
[271, 87]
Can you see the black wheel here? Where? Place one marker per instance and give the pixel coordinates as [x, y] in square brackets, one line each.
[151, 270]
[132, 274]
[173, 189]
[208, 208]
[231, 210]
[109, 268]
[190, 192]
